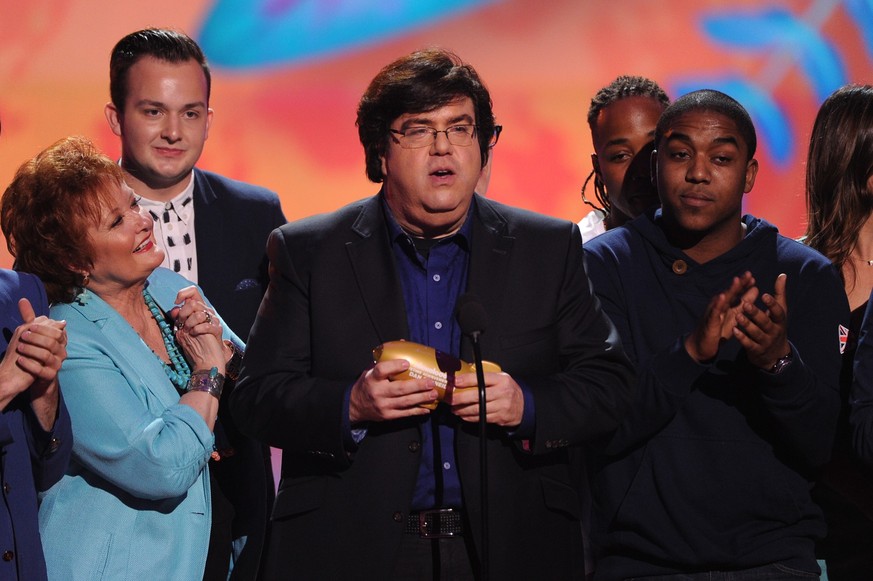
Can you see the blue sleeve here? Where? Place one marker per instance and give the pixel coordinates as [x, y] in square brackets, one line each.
[49, 450]
[803, 401]
[124, 431]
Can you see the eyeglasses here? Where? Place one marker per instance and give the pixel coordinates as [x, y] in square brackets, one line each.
[496, 136]
[415, 137]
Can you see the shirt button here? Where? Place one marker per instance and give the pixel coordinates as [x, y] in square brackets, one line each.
[54, 444]
[438, 325]
[680, 267]
[169, 226]
[398, 517]
[6, 488]
[447, 466]
[168, 205]
[8, 555]
[436, 278]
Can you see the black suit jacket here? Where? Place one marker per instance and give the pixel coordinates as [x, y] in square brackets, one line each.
[335, 294]
[232, 222]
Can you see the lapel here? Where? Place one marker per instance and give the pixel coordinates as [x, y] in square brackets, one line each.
[209, 230]
[130, 353]
[491, 249]
[371, 259]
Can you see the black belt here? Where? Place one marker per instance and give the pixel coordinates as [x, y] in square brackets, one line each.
[436, 524]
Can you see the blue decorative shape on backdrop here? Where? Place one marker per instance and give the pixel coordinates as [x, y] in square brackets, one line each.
[785, 41]
[246, 34]
[862, 13]
[779, 30]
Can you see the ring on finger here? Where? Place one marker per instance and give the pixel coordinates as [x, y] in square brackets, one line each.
[208, 317]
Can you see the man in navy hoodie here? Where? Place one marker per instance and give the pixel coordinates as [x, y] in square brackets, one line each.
[735, 334]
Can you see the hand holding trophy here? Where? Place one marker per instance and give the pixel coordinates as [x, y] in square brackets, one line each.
[428, 363]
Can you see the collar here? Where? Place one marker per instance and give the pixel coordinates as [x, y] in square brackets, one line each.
[398, 235]
[181, 200]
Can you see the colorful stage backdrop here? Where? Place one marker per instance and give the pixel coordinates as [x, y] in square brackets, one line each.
[288, 75]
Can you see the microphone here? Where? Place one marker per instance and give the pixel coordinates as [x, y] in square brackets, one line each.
[472, 319]
[471, 316]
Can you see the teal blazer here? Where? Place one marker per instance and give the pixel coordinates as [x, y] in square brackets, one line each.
[135, 501]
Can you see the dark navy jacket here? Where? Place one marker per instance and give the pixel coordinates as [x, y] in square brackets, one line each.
[711, 470]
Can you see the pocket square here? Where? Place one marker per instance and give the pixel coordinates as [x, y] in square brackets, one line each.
[246, 284]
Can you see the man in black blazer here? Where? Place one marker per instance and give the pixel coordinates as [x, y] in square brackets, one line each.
[214, 232]
[374, 485]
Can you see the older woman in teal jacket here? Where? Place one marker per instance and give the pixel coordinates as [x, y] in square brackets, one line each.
[147, 357]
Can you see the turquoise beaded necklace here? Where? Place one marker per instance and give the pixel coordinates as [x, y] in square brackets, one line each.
[179, 373]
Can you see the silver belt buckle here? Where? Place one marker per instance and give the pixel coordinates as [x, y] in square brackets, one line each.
[426, 525]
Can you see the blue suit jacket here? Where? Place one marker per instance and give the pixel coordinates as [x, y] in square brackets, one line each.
[32, 459]
[232, 224]
[135, 502]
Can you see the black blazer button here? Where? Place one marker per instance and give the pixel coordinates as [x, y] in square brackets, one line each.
[414, 446]
[8, 555]
[397, 516]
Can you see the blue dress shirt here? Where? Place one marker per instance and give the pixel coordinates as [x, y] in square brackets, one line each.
[432, 281]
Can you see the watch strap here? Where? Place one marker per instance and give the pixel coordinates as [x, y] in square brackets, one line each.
[782, 363]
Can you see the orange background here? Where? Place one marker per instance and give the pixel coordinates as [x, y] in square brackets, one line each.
[290, 127]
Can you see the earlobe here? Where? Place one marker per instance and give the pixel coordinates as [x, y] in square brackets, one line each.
[114, 118]
[209, 113]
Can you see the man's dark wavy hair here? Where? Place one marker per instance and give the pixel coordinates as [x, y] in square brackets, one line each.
[417, 83]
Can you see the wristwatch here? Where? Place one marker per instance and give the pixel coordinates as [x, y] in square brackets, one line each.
[212, 382]
[235, 364]
[782, 363]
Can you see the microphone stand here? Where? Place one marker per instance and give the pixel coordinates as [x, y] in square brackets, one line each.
[483, 452]
[472, 320]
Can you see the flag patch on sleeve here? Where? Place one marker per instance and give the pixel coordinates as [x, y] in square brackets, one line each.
[844, 338]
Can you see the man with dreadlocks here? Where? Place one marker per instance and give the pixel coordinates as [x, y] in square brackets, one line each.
[622, 118]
